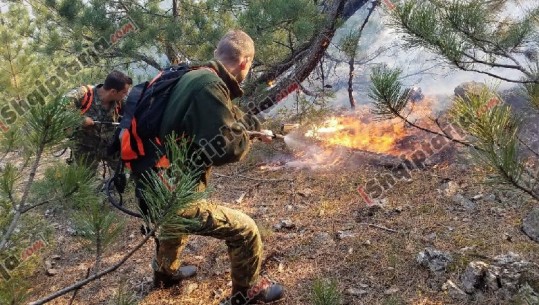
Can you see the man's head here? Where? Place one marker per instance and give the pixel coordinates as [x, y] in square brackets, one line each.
[116, 87]
[236, 51]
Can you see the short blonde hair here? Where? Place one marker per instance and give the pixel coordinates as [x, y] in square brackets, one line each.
[234, 46]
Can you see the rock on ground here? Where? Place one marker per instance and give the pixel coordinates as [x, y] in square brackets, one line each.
[454, 291]
[356, 292]
[509, 276]
[433, 259]
[473, 277]
[464, 202]
[530, 226]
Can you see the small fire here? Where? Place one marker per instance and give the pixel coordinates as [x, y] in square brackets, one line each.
[353, 132]
[334, 141]
[362, 131]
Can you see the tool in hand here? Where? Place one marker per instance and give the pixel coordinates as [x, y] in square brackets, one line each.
[265, 133]
[107, 123]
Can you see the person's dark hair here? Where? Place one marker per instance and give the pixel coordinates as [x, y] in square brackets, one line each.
[117, 80]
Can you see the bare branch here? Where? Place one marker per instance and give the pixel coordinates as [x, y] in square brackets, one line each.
[372, 225]
[96, 276]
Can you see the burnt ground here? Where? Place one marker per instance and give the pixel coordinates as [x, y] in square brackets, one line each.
[318, 206]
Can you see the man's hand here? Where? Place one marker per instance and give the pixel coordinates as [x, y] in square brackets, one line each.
[88, 122]
[264, 135]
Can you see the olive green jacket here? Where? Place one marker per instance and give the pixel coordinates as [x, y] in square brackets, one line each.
[201, 109]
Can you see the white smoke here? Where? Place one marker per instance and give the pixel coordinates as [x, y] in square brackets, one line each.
[420, 67]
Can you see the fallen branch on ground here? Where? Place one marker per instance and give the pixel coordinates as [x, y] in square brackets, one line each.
[77, 290]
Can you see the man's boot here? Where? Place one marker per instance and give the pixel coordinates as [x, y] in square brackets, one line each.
[263, 292]
[165, 280]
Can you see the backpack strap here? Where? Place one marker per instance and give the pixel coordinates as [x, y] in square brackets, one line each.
[87, 99]
[155, 79]
[127, 153]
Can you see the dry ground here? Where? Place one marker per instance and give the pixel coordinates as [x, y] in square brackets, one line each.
[319, 203]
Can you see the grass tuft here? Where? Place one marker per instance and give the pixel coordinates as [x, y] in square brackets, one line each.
[325, 292]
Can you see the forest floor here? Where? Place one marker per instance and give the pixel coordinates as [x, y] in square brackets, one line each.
[316, 226]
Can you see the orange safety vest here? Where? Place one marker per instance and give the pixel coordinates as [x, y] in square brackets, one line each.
[89, 98]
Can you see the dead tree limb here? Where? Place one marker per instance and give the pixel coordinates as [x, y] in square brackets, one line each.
[302, 63]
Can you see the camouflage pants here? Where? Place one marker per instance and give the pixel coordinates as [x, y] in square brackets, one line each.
[90, 157]
[238, 230]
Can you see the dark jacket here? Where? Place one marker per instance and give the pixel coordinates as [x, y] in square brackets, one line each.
[201, 109]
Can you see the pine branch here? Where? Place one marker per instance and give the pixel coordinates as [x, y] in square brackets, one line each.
[443, 134]
[33, 206]
[390, 100]
[135, 55]
[460, 65]
[453, 29]
[77, 290]
[372, 225]
[492, 64]
[498, 50]
[508, 177]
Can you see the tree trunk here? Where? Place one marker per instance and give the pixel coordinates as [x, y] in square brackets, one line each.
[322, 74]
[98, 251]
[170, 50]
[350, 82]
[310, 56]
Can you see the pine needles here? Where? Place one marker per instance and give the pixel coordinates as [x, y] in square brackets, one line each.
[325, 292]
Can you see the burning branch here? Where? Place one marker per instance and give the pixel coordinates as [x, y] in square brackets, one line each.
[390, 100]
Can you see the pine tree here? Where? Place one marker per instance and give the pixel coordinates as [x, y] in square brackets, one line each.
[472, 36]
[349, 46]
[30, 76]
[166, 193]
[19, 64]
[39, 130]
[475, 35]
[35, 123]
[291, 36]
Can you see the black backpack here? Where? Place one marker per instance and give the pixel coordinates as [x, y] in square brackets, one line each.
[140, 143]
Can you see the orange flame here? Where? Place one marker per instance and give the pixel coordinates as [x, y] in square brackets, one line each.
[351, 132]
[361, 131]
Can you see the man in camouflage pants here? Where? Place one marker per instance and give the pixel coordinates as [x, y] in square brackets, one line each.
[100, 106]
[201, 109]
